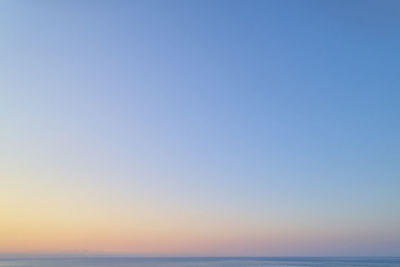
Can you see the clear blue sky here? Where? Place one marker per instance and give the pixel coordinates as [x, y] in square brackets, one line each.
[275, 120]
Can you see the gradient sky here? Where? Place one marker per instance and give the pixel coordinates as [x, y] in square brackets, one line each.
[200, 127]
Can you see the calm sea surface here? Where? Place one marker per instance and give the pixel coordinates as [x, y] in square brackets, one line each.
[198, 262]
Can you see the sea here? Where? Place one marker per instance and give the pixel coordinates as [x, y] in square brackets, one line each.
[200, 262]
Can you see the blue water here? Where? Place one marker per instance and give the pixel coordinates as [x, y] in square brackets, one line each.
[198, 262]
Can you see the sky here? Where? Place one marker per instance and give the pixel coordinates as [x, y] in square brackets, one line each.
[200, 128]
